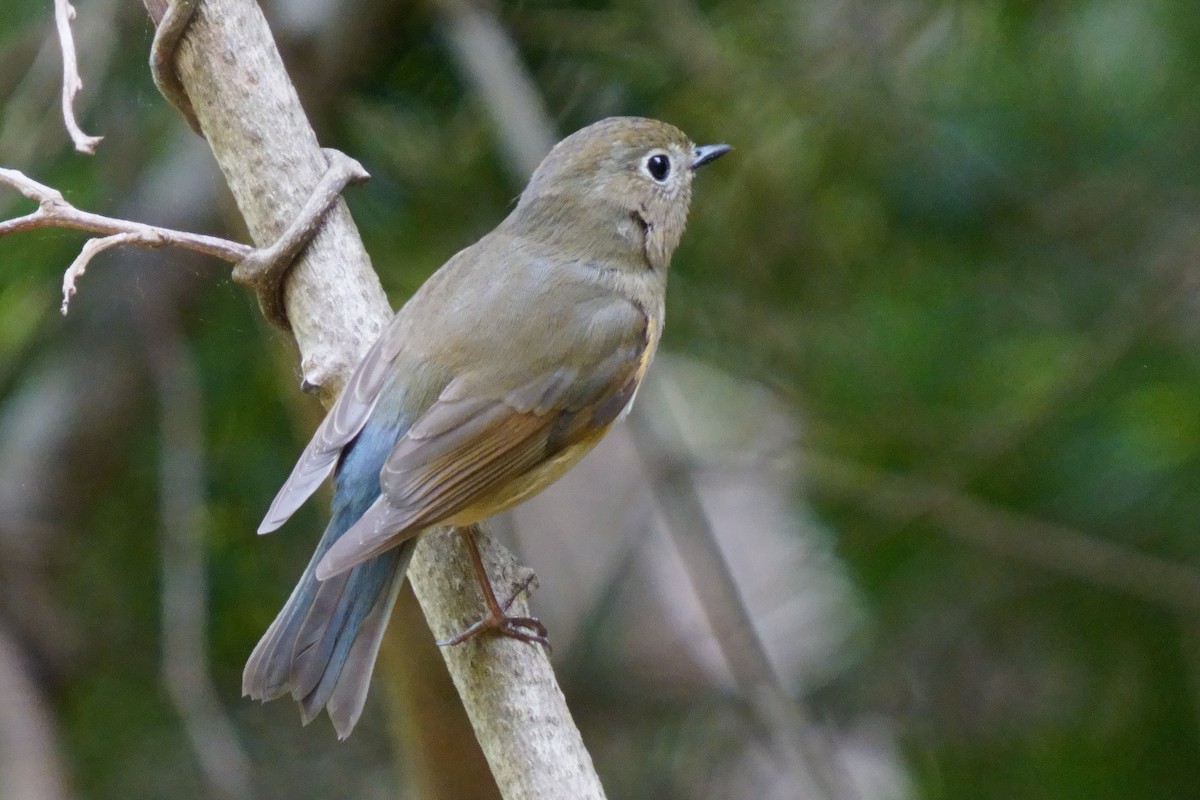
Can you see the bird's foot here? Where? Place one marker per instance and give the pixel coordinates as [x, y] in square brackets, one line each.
[527, 629]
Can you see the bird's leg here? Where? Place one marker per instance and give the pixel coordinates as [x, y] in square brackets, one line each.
[527, 629]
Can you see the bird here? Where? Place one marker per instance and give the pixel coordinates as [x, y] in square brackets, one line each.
[499, 373]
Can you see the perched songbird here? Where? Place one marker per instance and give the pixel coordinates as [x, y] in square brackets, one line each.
[503, 369]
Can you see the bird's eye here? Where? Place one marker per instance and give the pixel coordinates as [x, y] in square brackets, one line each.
[659, 166]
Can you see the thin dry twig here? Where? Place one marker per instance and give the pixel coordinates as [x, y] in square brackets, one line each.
[55, 212]
[64, 12]
[91, 248]
[262, 269]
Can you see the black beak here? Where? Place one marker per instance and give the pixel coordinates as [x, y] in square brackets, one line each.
[708, 152]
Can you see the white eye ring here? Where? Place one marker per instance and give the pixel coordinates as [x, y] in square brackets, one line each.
[658, 166]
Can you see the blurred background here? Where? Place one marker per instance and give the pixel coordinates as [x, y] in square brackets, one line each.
[927, 409]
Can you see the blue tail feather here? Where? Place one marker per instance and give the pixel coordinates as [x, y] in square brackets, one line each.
[323, 643]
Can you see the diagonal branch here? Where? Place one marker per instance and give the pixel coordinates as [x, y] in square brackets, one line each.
[64, 12]
[336, 308]
[265, 270]
[271, 159]
[786, 722]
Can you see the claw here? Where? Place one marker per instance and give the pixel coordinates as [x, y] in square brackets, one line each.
[527, 629]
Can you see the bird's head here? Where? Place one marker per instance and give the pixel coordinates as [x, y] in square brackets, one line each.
[625, 176]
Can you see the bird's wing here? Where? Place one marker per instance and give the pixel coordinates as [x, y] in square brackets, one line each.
[343, 422]
[470, 448]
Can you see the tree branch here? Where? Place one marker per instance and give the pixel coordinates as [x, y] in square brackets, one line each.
[262, 269]
[269, 155]
[55, 212]
[64, 12]
[507, 686]
[249, 112]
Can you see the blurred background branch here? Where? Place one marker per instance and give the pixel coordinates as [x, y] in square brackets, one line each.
[489, 62]
[782, 719]
[185, 656]
[1009, 535]
[31, 765]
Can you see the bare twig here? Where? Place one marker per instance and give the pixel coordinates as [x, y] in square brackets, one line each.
[262, 269]
[93, 247]
[55, 212]
[64, 12]
[30, 111]
[185, 657]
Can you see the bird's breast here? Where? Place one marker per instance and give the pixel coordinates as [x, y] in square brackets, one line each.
[652, 336]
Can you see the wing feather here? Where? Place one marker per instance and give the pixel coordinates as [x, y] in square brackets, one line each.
[433, 491]
[463, 452]
[343, 422]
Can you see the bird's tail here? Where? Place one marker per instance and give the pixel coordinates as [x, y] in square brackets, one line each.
[321, 647]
